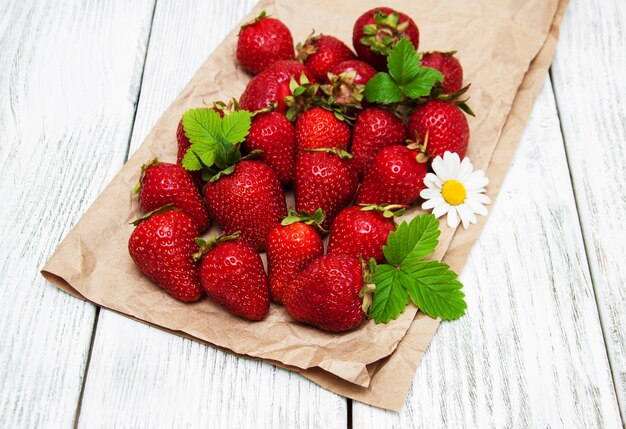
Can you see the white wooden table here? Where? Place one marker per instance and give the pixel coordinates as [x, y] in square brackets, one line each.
[544, 342]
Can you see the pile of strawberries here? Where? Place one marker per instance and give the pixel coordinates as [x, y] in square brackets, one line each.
[305, 122]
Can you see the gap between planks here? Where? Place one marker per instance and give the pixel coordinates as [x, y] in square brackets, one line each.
[583, 233]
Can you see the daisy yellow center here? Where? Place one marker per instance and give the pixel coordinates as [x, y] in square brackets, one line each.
[453, 192]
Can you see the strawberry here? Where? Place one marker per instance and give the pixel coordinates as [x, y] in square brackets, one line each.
[324, 179]
[162, 183]
[320, 128]
[162, 246]
[321, 53]
[362, 231]
[363, 72]
[439, 126]
[275, 136]
[249, 199]
[378, 30]
[450, 68]
[290, 247]
[326, 294]
[273, 85]
[232, 274]
[394, 177]
[262, 42]
[374, 129]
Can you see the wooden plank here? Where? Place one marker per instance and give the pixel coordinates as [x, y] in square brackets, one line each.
[142, 377]
[530, 352]
[588, 74]
[67, 100]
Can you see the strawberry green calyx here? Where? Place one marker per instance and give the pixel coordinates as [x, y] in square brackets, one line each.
[205, 246]
[388, 211]
[262, 15]
[303, 96]
[342, 154]
[144, 167]
[315, 219]
[368, 289]
[163, 209]
[423, 154]
[384, 33]
[309, 47]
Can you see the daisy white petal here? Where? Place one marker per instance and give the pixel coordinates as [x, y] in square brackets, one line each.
[453, 164]
[465, 171]
[476, 207]
[432, 181]
[477, 180]
[481, 198]
[466, 214]
[439, 167]
[430, 193]
[441, 209]
[453, 219]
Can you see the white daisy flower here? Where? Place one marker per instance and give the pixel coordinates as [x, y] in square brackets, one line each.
[456, 189]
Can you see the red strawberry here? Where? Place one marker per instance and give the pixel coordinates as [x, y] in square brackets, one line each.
[290, 247]
[249, 200]
[320, 128]
[378, 30]
[161, 183]
[324, 180]
[321, 53]
[162, 246]
[183, 145]
[272, 86]
[394, 177]
[326, 293]
[361, 231]
[363, 72]
[275, 136]
[449, 66]
[374, 129]
[441, 126]
[262, 42]
[232, 274]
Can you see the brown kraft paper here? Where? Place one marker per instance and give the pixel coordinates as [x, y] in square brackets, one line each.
[495, 42]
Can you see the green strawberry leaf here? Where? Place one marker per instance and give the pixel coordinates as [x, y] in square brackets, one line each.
[403, 62]
[236, 125]
[432, 286]
[390, 297]
[412, 241]
[422, 83]
[191, 161]
[201, 125]
[383, 89]
[435, 289]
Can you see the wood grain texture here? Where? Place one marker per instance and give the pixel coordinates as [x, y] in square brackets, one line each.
[67, 98]
[588, 74]
[530, 352]
[140, 376]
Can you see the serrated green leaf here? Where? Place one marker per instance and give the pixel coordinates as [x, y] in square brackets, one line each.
[382, 89]
[403, 62]
[191, 161]
[412, 241]
[435, 289]
[390, 297]
[201, 126]
[236, 125]
[422, 83]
